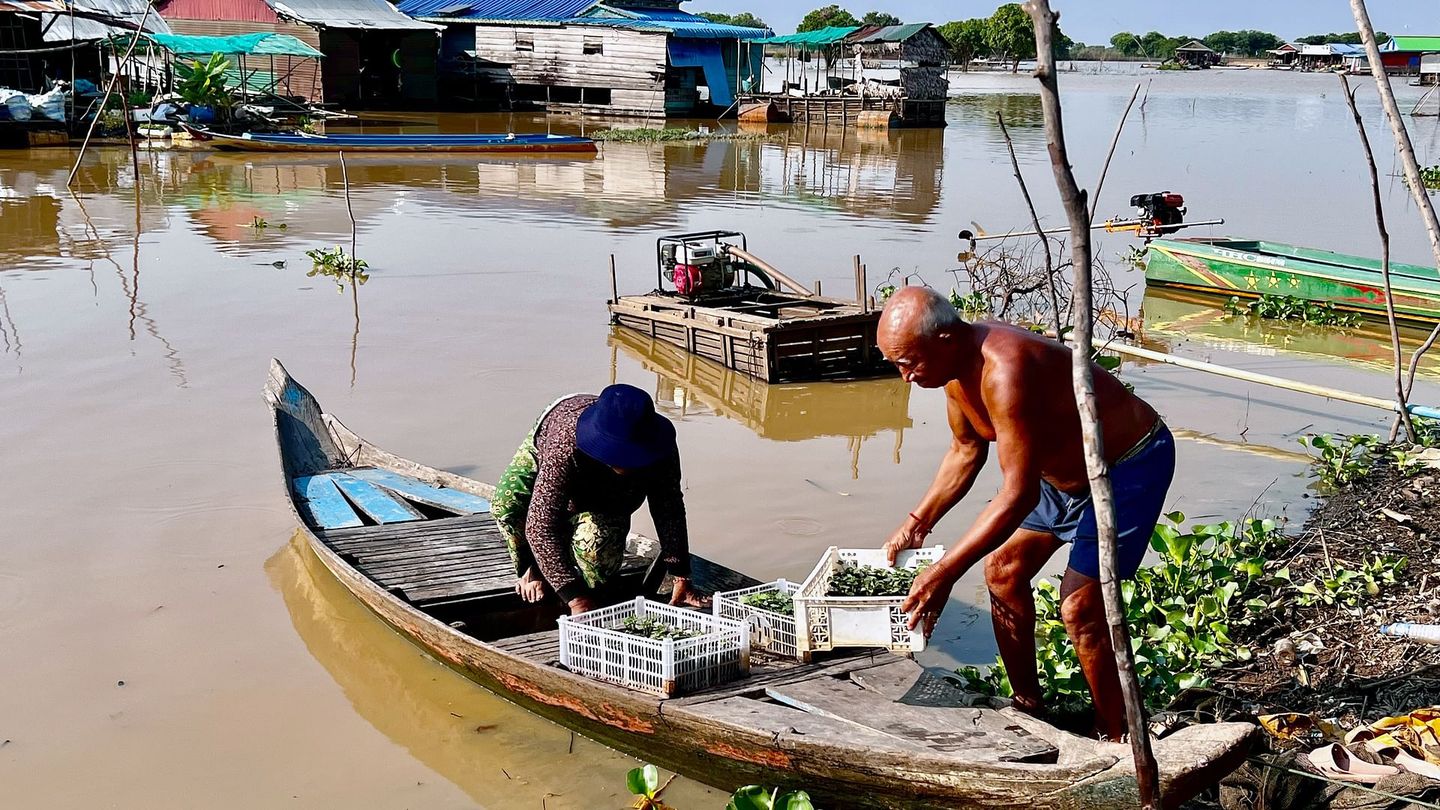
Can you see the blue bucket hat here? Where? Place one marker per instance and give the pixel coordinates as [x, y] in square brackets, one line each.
[621, 429]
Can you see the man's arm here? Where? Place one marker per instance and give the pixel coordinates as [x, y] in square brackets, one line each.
[958, 470]
[1010, 413]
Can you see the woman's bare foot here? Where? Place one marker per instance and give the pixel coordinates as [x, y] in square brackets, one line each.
[530, 586]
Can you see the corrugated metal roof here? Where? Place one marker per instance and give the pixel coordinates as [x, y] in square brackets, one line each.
[31, 5]
[818, 38]
[498, 10]
[58, 28]
[700, 28]
[371, 14]
[1412, 44]
[892, 33]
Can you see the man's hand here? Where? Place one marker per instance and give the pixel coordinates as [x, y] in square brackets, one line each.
[928, 595]
[684, 596]
[581, 604]
[907, 536]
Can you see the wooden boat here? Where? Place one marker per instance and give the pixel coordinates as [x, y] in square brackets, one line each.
[302, 142]
[745, 314]
[860, 729]
[1249, 269]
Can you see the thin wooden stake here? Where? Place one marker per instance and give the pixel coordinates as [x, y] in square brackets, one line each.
[859, 283]
[1405, 149]
[1403, 416]
[119, 68]
[1147, 776]
[1104, 170]
[614, 285]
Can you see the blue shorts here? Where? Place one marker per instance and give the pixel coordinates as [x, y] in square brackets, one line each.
[1141, 480]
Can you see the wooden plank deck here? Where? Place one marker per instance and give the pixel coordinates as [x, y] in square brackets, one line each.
[430, 561]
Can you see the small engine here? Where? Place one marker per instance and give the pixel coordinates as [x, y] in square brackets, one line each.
[696, 267]
[1162, 211]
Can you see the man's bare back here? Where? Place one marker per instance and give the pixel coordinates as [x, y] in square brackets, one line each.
[1051, 434]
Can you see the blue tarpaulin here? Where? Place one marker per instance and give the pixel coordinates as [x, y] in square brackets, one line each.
[705, 54]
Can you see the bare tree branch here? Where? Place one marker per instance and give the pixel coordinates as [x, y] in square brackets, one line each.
[1035, 220]
[1402, 418]
[1073, 198]
[1104, 170]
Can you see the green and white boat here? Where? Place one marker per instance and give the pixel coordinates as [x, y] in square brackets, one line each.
[1250, 269]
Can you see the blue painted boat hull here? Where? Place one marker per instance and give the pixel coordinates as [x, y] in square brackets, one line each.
[256, 142]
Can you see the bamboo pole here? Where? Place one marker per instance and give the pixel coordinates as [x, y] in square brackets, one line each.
[1104, 170]
[135, 40]
[1147, 776]
[1403, 418]
[1298, 387]
[859, 283]
[1405, 150]
[1035, 221]
[614, 284]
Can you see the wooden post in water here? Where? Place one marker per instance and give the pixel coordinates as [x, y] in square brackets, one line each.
[614, 287]
[859, 283]
[817, 288]
[1147, 773]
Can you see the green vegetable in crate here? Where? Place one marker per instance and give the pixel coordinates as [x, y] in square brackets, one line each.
[851, 579]
[654, 629]
[771, 602]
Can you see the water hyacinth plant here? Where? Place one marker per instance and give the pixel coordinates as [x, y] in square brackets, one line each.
[771, 602]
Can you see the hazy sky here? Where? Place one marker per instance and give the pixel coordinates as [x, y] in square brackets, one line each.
[1095, 20]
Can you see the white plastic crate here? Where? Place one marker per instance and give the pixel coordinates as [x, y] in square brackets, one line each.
[768, 631]
[826, 622]
[590, 647]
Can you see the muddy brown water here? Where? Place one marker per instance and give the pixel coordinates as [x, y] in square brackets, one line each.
[146, 538]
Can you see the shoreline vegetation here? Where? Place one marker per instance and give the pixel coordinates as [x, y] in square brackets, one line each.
[677, 135]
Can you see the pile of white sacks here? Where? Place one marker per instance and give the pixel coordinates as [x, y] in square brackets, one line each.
[18, 106]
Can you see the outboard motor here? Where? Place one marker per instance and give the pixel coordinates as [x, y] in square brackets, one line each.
[1162, 211]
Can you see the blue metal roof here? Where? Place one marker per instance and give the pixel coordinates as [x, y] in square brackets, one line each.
[516, 10]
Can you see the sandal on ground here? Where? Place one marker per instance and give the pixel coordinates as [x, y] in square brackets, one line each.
[1417, 766]
[1337, 763]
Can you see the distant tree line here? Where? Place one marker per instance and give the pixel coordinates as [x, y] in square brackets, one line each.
[1008, 34]
[744, 19]
[834, 16]
[1346, 38]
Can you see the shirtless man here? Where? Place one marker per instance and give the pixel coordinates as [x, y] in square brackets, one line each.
[1012, 388]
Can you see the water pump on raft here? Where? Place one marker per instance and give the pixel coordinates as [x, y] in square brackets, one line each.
[709, 263]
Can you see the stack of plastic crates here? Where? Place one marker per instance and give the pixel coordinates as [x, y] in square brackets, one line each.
[591, 646]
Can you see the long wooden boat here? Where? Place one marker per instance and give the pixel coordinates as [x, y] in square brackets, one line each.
[512, 142]
[864, 729]
[1250, 268]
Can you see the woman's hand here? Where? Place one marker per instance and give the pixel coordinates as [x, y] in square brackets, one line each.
[683, 595]
[582, 604]
[928, 596]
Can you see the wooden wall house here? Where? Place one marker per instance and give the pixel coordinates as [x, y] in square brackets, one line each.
[374, 55]
[640, 58]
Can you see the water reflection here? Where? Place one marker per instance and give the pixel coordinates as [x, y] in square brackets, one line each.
[687, 385]
[1172, 316]
[496, 752]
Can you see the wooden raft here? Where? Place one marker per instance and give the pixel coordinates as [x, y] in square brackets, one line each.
[772, 336]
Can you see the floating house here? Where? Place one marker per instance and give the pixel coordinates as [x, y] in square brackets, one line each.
[1401, 56]
[1328, 56]
[884, 76]
[642, 58]
[373, 55]
[1195, 54]
[1284, 57]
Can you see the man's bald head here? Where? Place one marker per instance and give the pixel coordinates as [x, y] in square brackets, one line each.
[918, 312]
[915, 332]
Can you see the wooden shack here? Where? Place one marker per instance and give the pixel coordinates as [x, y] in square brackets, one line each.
[374, 55]
[887, 76]
[639, 58]
[1194, 54]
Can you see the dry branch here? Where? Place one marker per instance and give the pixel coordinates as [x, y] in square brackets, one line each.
[1073, 198]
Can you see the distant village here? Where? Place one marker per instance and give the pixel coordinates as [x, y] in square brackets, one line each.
[301, 59]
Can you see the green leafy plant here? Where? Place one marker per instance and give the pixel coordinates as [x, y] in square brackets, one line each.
[644, 784]
[654, 629]
[335, 263]
[1290, 308]
[1430, 176]
[203, 83]
[771, 601]
[1208, 582]
[972, 305]
[755, 797]
[1340, 460]
[884, 291]
[1348, 588]
[850, 579]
